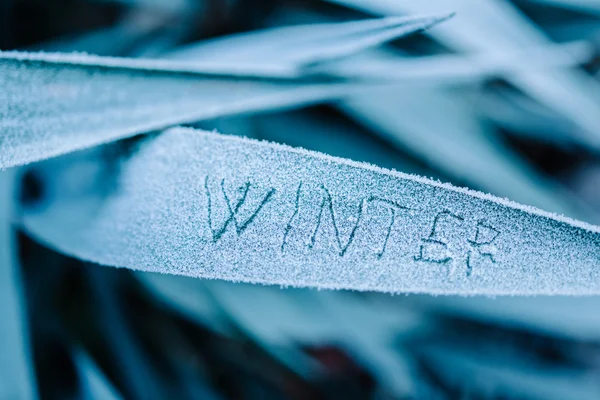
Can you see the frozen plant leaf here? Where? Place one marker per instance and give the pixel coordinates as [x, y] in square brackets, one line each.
[231, 51]
[294, 49]
[211, 206]
[276, 50]
[455, 69]
[497, 28]
[56, 103]
[16, 375]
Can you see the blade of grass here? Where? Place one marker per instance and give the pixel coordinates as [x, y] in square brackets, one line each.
[16, 364]
[495, 27]
[307, 219]
[276, 50]
[116, 98]
[290, 49]
[456, 69]
[52, 103]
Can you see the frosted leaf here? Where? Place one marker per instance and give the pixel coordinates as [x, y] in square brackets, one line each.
[290, 49]
[16, 375]
[230, 52]
[56, 103]
[49, 97]
[212, 206]
[497, 28]
[454, 69]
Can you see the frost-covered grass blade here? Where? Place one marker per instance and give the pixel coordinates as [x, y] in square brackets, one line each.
[298, 49]
[201, 205]
[495, 28]
[53, 104]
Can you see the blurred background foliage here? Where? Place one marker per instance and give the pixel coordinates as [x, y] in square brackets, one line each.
[506, 101]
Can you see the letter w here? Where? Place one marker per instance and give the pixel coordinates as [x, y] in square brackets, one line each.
[233, 209]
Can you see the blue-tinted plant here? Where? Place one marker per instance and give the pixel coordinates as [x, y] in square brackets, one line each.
[114, 124]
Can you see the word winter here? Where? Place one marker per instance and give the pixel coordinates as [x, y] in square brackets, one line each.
[316, 216]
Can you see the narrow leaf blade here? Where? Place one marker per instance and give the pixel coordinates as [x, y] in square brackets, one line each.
[307, 219]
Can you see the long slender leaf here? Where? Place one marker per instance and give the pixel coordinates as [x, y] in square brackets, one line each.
[497, 27]
[453, 69]
[49, 98]
[16, 376]
[53, 104]
[291, 49]
[212, 206]
[276, 50]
